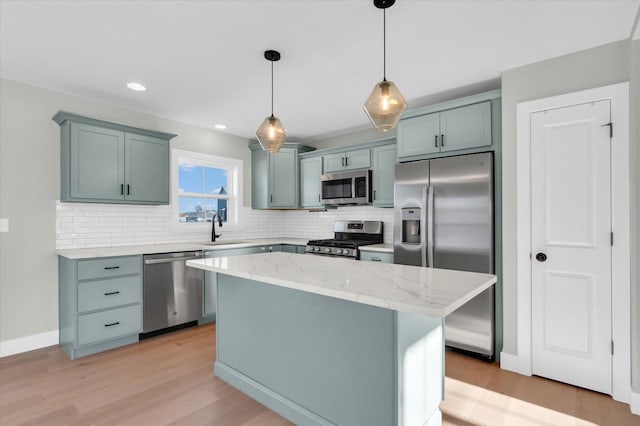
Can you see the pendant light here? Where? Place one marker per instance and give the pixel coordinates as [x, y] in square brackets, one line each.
[271, 134]
[386, 104]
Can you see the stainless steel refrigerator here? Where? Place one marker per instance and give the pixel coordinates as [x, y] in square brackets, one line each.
[443, 218]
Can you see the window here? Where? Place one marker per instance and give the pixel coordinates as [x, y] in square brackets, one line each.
[205, 186]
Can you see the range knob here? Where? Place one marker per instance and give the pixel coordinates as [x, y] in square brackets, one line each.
[339, 251]
[327, 250]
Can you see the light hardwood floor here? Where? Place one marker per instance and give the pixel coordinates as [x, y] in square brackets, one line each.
[169, 380]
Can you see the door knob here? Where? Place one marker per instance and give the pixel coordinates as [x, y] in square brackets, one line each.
[541, 257]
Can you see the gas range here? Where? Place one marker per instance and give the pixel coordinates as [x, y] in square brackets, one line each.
[349, 235]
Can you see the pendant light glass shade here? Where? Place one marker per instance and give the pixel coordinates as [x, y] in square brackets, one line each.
[385, 105]
[271, 134]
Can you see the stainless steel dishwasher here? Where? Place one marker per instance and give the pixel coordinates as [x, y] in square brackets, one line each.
[172, 292]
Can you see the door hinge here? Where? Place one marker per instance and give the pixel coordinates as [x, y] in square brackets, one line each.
[612, 347]
[610, 129]
[612, 238]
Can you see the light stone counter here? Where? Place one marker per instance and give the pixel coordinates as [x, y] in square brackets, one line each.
[423, 291]
[92, 252]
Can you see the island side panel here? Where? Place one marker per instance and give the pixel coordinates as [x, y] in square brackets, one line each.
[302, 353]
[420, 374]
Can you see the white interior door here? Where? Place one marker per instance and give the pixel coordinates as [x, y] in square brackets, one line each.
[571, 245]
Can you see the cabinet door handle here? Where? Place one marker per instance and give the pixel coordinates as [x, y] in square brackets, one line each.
[112, 324]
[346, 161]
[111, 293]
[342, 159]
[111, 267]
[318, 197]
[436, 141]
[374, 194]
[122, 189]
[128, 189]
[441, 140]
[271, 198]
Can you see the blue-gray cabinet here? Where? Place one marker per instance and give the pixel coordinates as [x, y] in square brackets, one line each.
[310, 184]
[347, 160]
[100, 303]
[112, 163]
[452, 129]
[275, 177]
[383, 169]
[376, 256]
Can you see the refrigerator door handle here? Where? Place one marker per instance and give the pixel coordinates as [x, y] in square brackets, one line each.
[430, 226]
[424, 229]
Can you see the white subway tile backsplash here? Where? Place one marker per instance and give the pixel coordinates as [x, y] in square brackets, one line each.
[81, 225]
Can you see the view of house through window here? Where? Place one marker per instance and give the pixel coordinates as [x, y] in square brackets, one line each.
[206, 188]
[202, 193]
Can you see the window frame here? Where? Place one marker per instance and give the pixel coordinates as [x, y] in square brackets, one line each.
[234, 188]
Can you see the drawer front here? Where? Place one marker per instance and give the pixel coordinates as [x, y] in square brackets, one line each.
[109, 324]
[374, 256]
[109, 267]
[103, 294]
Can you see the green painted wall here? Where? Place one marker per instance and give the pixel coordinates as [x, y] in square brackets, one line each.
[599, 66]
[30, 186]
[352, 138]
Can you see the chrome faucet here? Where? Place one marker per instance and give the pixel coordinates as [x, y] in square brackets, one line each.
[213, 226]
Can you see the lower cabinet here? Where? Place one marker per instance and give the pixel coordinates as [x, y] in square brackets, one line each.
[376, 256]
[291, 248]
[100, 303]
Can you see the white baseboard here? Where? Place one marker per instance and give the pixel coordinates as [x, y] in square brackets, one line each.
[509, 362]
[635, 403]
[28, 343]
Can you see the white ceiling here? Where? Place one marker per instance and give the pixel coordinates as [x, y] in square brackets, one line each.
[202, 61]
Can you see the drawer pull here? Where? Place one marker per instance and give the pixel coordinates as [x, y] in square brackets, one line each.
[376, 259]
[111, 267]
[112, 293]
[112, 324]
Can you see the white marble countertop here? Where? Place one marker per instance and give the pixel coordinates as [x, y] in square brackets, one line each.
[92, 252]
[380, 248]
[424, 291]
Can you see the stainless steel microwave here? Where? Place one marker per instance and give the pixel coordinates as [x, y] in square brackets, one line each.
[344, 188]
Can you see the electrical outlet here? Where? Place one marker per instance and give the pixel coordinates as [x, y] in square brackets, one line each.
[4, 224]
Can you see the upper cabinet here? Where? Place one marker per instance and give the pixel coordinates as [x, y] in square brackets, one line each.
[348, 160]
[453, 129]
[383, 174]
[310, 183]
[274, 177]
[111, 163]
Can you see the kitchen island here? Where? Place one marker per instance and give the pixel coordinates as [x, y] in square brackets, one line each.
[329, 341]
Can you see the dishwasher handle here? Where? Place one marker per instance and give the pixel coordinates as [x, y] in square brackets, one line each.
[170, 259]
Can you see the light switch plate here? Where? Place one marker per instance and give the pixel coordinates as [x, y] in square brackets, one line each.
[4, 224]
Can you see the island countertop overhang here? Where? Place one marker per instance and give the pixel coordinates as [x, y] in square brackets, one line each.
[425, 291]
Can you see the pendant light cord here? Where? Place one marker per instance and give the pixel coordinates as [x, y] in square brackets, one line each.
[384, 44]
[271, 88]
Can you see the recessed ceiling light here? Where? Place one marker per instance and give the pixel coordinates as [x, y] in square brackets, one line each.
[220, 126]
[136, 86]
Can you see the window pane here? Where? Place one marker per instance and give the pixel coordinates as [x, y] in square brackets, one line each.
[191, 209]
[215, 181]
[190, 178]
[213, 206]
